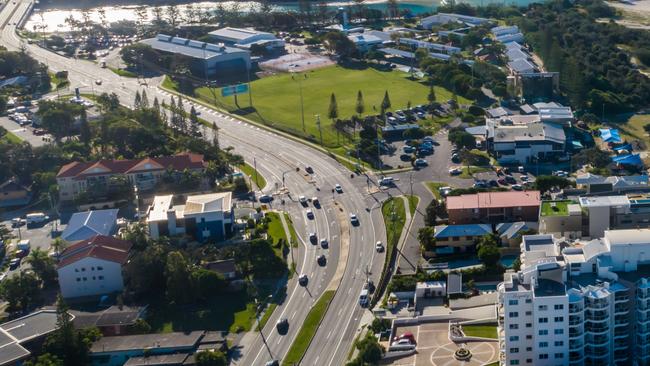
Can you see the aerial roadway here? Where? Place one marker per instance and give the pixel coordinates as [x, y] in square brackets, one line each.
[283, 164]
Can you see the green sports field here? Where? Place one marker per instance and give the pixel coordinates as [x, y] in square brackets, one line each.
[277, 98]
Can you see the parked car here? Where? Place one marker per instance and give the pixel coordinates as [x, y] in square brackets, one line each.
[421, 162]
[17, 221]
[14, 263]
[521, 169]
[315, 201]
[406, 335]
[455, 171]
[265, 198]
[517, 187]
[455, 158]
[560, 173]
[386, 181]
[510, 179]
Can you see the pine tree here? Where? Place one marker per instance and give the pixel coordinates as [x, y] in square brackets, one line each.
[194, 126]
[333, 113]
[156, 105]
[144, 102]
[173, 116]
[137, 102]
[431, 97]
[215, 136]
[181, 115]
[84, 128]
[360, 107]
[385, 103]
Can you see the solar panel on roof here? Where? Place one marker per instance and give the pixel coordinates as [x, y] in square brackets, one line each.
[178, 40]
[197, 44]
[214, 47]
[163, 37]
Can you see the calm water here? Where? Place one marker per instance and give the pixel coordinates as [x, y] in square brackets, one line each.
[54, 19]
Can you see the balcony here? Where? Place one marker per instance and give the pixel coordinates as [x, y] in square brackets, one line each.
[620, 310]
[575, 345]
[597, 305]
[575, 334]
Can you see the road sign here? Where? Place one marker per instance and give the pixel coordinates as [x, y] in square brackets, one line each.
[234, 90]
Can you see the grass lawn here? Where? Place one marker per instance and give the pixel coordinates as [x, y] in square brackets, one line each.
[258, 179]
[560, 208]
[275, 230]
[433, 187]
[413, 203]
[277, 98]
[394, 218]
[468, 171]
[483, 330]
[232, 312]
[123, 72]
[632, 129]
[308, 330]
[11, 138]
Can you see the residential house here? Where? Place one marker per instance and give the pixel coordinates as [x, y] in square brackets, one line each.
[21, 336]
[365, 42]
[12, 193]
[206, 59]
[225, 267]
[93, 267]
[75, 178]
[112, 321]
[206, 216]
[85, 225]
[596, 184]
[493, 207]
[459, 238]
[510, 233]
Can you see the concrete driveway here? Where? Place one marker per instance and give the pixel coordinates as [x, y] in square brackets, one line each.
[435, 349]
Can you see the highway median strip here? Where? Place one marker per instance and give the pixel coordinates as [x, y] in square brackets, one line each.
[308, 329]
[394, 214]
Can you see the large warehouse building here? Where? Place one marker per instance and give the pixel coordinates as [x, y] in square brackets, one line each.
[216, 60]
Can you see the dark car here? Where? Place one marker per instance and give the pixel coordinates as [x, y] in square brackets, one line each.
[303, 280]
[455, 158]
[265, 198]
[282, 325]
[405, 157]
[309, 169]
[312, 238]
[510, 179]
[493, 183]
[321, 260]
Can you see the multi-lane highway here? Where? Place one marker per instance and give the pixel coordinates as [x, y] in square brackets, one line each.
[275, 156]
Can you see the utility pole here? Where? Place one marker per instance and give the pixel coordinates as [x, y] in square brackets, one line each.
[320, 131]
[411, 181]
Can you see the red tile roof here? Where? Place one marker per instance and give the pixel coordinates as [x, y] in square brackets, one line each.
[103, 247]
[103, 167]
[494, 200]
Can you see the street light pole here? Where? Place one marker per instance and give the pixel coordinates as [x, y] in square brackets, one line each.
[320, 131]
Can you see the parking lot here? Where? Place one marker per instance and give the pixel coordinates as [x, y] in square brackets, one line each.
[434, 347]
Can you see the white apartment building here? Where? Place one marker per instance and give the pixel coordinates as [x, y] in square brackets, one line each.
[578, 304]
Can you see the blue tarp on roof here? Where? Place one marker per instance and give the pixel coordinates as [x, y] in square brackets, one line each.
[629, 159]
[610, 135]
[627, 147]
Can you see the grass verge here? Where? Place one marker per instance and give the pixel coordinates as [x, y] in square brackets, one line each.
[11, 138]
[292, 230]
[413, 203]
[469, 171]
[394, 218]
[267, 314]
[258, 179]
[481, 330]
[308, 329]
[433, 187]
[123, 72]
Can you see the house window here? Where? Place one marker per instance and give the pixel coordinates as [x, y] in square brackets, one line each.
[528, 301]
[543, 344]
[85, 279]
[513, 314]
[529, 325]
[559, 319]
[514, 350]
[559, 331]
[83, 269]
[513, 302]
[559, 306]
[543, 308]
[559, 355]
[529, 313]
[455, 238]
[543, 356]
[101, 277]
[78, 279]
[100, 268]
[514, 326]
[76, 269]
[514, 338]
[559, 343]
[514, 362]
[529, 336]
[94, 278]
[543, 320]
[543, 332]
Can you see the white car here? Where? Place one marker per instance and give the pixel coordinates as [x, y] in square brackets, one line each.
[338, 188]
[560, 173]
[386, 181]
[444, 191]
[302, 199]
[402, 342]
[354, 220]
[379, 247]
[455, 171]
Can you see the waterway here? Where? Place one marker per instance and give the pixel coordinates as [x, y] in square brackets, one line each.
[55, 19]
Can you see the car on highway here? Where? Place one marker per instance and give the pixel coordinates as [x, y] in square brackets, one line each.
[265, 198]
[321, 260]
[282, 325]
[302, 200]
[354, 220]
[369, 285]
[313, 238]
[272, 363]
[315, 201]
[98, 82]
[14, 263]
[324, 243]
[310, 214]
[379, 247]
[455, 171]
[363, 298]
[338, 188]
[309, 169]
[303, 280]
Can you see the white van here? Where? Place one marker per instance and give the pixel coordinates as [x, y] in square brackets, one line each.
[386, 181]
[363, 298]
[36, 218]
